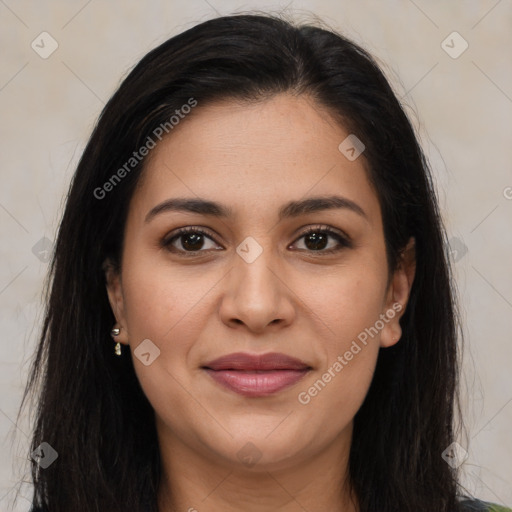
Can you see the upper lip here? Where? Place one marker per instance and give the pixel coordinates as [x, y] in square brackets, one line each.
[269, 361]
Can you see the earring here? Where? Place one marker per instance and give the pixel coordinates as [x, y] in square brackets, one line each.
[115, 332]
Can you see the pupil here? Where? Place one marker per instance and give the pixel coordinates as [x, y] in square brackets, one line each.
[319, 240]
[196, 243]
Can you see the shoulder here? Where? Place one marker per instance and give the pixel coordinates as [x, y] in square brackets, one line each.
[475, 505]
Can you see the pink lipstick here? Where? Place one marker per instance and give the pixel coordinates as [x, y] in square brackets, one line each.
[256, 375]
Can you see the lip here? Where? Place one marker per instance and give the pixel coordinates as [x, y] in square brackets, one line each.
[245, 361]
[256, 375]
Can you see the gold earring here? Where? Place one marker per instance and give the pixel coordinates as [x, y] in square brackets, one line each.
[115, 332]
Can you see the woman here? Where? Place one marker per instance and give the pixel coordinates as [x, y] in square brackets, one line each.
[250, 304]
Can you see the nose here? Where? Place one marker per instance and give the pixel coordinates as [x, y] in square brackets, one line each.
[256, 295]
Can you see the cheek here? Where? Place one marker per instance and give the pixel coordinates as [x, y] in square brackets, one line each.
[167, 307]
[350, 307]
[347, 301]
[333, 397]
[160, 301]
[170, 307]
[349, 304]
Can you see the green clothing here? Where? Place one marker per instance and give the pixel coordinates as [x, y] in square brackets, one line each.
[475, 505]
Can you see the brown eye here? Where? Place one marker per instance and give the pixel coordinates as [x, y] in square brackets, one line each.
[316, 239]
[192, 241]
[188, 240]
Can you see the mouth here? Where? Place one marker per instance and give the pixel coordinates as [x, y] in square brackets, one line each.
[256, 375]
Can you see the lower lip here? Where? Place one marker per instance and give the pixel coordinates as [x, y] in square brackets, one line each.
[256, 383]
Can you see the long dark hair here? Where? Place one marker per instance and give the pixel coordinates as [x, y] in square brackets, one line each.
[91, 409]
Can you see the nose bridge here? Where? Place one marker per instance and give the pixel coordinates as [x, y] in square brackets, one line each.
[252, 272]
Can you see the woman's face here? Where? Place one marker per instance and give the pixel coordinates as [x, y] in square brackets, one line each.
[253, 282]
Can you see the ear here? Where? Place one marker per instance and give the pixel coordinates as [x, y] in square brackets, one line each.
[398, 295]
[116, 299]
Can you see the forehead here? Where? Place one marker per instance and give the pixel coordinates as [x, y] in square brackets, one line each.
[250, 155]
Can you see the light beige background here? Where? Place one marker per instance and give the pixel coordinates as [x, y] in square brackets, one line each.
[462, 108]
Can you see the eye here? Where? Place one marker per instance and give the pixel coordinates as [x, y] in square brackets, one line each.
[193, 240]
[316, 239]
[190, 239]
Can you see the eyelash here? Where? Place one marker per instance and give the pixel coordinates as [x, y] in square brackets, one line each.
[343, 241]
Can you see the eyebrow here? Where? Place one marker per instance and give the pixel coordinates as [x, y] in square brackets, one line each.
[289, 210]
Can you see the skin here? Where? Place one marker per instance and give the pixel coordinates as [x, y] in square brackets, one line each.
[254, 158]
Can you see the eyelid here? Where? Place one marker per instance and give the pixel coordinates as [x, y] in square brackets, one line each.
[325, 228]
